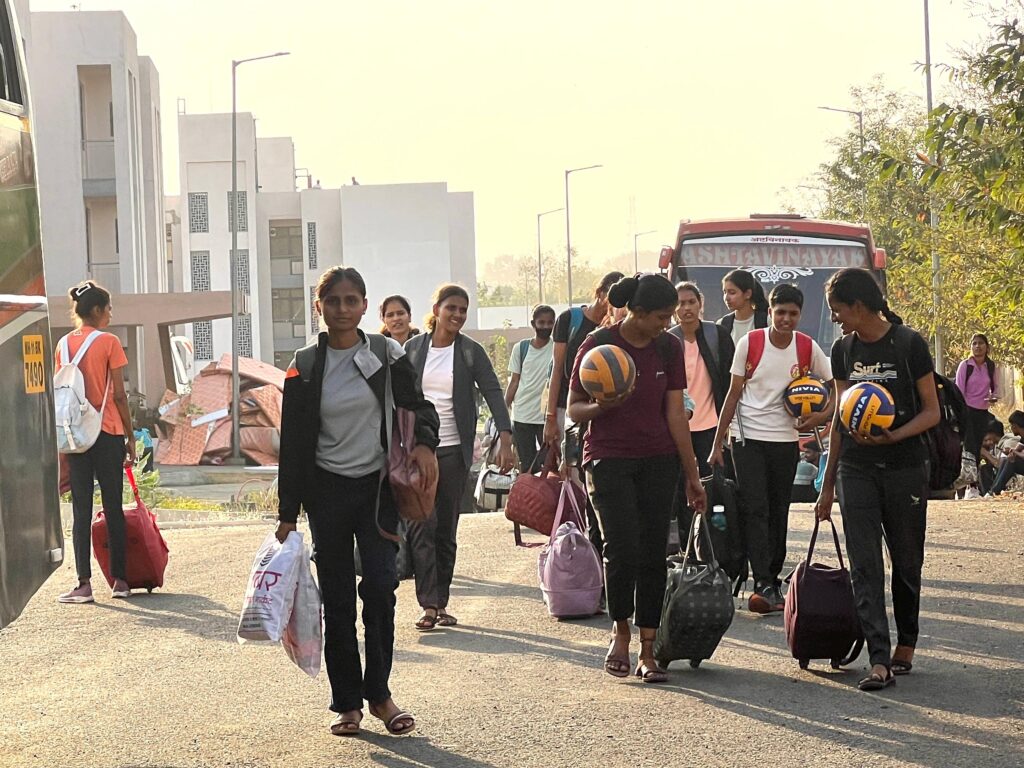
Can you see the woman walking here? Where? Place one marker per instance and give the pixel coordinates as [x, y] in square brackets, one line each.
[333, 457]
[976, 379]
[632, 454]
[882, 479]
[744, 296]
[453, 367]
[102, 363]
[765, 436]
[396, 319]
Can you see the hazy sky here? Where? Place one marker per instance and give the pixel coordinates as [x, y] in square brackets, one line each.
[694, 108]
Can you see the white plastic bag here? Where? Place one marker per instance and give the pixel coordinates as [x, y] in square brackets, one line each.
[270, 592]
[303, 639]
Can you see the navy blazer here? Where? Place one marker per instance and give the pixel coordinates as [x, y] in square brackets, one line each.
[465, 380]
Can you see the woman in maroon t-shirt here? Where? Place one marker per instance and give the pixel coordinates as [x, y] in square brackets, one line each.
[632, 453]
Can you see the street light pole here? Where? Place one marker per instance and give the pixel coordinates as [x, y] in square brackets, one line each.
[236, 437]
[568, 245]
[636, 257]
[540, 274]
[933, 219]
[859, 114]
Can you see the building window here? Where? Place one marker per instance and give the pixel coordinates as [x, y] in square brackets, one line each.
[202, 340]
[314, 318]
[198, 212]
[242, 265]
[245, 335]
[243, 212]
[200, 270]
[311, 243]
[286, 248]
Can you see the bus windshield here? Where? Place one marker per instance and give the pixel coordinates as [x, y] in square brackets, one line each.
[806, 262]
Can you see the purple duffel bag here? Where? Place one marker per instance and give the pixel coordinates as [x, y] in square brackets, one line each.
[569, 568]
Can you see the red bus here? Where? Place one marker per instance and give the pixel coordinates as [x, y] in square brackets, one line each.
[776, 248]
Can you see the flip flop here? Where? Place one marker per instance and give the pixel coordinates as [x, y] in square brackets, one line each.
[874, 682]
[616, 666]
[426, 622]
[651, 674]
[900, 667]
[342, 727]
[396, 730]
[445, 619]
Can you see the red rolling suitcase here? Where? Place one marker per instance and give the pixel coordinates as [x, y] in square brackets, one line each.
[821, 616]
[145, 548]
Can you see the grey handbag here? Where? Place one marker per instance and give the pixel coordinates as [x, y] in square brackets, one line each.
[698, 607]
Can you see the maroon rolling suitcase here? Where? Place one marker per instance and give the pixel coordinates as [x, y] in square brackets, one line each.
[821, 616]
[145, 548]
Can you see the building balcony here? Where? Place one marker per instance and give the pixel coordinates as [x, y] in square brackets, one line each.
[98, 167]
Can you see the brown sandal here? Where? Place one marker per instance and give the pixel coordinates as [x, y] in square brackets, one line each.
[427, 621]
[616, 666]
[445, 619]
[342, 726]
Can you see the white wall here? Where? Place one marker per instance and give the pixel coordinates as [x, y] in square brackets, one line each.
[152, 174]
[276, 159]
[397, 236]
[272, 206]
[462, 240]
[323, 208]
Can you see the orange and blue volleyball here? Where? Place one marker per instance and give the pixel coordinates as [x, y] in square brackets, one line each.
[606, 372]
[867, 408]
[805, 395]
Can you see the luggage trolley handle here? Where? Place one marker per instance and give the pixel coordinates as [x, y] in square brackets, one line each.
[835, 538]
[134, 486]
[699, 527]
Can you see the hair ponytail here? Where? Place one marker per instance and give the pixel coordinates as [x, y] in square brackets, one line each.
[889, 315]
[623, 291]
[649, 293]
[745, 281]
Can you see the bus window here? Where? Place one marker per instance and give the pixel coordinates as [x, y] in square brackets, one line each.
[10, 82]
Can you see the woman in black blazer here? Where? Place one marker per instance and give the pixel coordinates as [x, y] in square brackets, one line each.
[333, 464]
[452, 368]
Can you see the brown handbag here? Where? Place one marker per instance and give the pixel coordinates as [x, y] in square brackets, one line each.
[414, 503]
[533, 500]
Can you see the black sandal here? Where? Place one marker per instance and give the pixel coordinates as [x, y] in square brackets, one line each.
[875, 682]
[427, 622]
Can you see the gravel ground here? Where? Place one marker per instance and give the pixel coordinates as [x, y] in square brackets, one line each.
[160, 680]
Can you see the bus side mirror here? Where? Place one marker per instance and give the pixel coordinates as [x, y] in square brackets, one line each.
[665, 257]
[881, 258]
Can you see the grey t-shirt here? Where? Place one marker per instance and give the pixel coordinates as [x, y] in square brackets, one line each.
[349, 442]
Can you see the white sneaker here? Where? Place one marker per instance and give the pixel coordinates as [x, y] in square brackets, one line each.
[972, 493]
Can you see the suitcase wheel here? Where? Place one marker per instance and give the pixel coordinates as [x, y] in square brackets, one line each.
[663, 663]
[837, 663]
[804, 663]
[149, 590]
[695, 662]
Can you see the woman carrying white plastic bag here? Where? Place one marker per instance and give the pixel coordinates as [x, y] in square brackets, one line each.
[270, 592]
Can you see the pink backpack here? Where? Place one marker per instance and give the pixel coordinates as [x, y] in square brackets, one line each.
[569, 568]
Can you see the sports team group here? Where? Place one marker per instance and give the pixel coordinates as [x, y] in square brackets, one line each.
[701, 398]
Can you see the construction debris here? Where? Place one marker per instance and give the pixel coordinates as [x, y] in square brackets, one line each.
[196, 428]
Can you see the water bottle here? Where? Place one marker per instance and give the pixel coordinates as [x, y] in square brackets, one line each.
[718, 517]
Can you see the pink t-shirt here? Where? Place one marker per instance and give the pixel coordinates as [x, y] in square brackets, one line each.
[698, 384]
[638, 428]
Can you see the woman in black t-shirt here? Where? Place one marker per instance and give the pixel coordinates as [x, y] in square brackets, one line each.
[882, 479]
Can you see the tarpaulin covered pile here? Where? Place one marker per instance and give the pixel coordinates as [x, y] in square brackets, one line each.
[196, 428]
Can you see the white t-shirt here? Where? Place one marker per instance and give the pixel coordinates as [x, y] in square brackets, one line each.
[438, 384]
[741, 328]
[761, 409]
[529, 404]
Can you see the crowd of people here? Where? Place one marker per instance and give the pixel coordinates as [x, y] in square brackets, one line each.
[706, 394]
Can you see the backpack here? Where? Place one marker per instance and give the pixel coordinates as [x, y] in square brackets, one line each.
[575, 323]
[710, 336]
[78, 422]
[945, 440]
[756, 341]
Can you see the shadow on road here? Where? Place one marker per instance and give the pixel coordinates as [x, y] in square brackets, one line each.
[194, 614]
[416, 752]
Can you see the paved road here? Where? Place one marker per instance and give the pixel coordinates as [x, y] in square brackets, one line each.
[160, 680]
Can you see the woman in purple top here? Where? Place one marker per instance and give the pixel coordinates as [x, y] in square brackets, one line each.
[632, 454]
[976, 378]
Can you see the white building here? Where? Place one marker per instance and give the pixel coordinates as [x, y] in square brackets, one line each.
[98, 150]
[403, 238]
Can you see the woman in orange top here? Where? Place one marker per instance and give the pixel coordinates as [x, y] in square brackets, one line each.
[101, 368]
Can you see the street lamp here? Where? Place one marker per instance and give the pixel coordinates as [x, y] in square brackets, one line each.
[568, 246]
[236, 442]
[636, 258]
[933, 220]
[860, 121]
[540, 274]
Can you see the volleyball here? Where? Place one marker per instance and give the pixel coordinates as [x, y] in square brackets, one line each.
[606, 372]
[805, 396]
[867, 408]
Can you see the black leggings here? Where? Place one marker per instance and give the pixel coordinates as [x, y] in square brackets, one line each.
[977, 420]
[877, 500]
[633, 500]
[103, 462]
